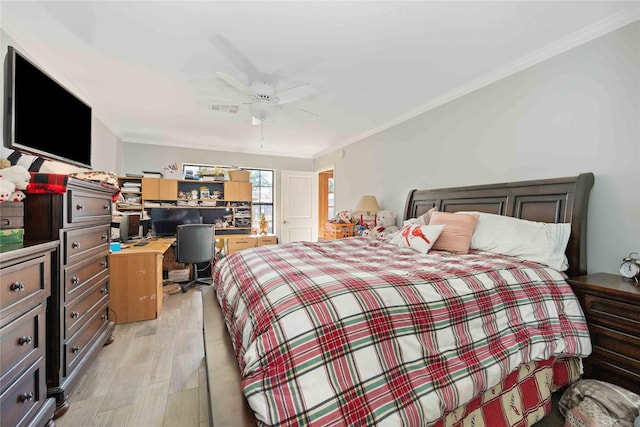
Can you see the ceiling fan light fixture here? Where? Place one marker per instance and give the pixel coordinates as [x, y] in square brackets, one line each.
[262, 110]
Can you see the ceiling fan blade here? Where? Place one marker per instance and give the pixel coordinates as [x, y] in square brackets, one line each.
[236, 57]
[295, 93]
[310, 113]
[233, 82]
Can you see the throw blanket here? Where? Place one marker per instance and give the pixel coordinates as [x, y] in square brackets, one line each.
[360, 332]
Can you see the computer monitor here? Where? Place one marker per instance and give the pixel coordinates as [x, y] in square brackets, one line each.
[165, 221]
[130, 227]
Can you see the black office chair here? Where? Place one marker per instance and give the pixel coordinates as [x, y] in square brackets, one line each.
[195, 244]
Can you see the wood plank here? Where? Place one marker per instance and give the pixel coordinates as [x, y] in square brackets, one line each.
[228, 405]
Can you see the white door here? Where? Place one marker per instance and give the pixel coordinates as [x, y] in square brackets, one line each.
[299, 206]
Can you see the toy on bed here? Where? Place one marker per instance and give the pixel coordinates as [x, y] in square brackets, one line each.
[13, 179]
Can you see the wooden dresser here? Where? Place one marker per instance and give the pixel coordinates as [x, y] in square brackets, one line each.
[78, 323]
[26, 283]
[612, 307]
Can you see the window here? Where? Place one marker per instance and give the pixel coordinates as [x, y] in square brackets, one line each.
[262, 186]
[262, 182]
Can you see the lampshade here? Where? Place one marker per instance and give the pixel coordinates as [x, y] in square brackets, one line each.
[367, 204]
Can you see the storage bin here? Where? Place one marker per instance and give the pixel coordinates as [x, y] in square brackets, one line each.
[338, 231]
[238, 175]
[179, 275]
[11, 215]
[12, 235]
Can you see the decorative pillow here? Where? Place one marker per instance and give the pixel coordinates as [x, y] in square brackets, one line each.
[530, 240]
[420, 238]
[458, 229]
[597, 403]
[422, 219]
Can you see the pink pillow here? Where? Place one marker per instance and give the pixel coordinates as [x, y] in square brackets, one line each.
[458, 229]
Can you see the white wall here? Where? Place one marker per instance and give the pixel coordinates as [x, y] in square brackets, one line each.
[577, 112]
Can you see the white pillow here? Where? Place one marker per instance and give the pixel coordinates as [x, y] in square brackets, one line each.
[534, 241]
[420, 238]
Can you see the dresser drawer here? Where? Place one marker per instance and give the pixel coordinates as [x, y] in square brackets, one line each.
[21, 343]
[24, 282]
[81, 243]
[88, 207]
[267, 240]
[80, 275]
[76, 313]
[76, 347]
[22, 399]
[235, 244]
[617, 314]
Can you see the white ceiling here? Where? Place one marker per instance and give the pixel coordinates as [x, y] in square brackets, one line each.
[148, 68]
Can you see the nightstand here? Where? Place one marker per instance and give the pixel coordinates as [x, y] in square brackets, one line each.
[611, 305]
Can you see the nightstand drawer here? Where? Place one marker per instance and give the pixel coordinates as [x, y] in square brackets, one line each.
[617, 347]
[267, 240]
[616, 314]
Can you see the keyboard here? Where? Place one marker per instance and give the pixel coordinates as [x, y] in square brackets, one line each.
[141, 243]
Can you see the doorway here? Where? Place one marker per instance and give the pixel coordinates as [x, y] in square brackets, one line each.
[326, 200]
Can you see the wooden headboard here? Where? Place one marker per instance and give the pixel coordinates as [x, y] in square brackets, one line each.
[545, 200]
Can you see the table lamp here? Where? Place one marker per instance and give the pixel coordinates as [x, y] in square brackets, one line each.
[368, 204]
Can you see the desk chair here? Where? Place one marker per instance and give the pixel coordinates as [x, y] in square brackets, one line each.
[194, 244]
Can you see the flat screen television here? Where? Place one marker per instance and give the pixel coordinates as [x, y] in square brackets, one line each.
[165, 221]
[41, 117]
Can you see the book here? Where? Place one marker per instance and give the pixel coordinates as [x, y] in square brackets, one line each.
[132, 175]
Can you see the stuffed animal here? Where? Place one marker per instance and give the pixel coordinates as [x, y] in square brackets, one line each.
[370, 232]
[386, 218]
[12, 180]
[343, 217]
[386, 231]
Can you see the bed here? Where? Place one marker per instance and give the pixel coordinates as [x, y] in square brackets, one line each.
[361, 332]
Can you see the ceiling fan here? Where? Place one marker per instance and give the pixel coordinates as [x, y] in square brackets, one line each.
[261, 94]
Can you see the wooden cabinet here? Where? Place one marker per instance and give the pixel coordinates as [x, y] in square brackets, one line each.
[232, 208]
[237, 191]
[611, 305]
[77, 320]
[26, 283]
[136, 281]
[264, 240]
[159, 189]
[238, 243]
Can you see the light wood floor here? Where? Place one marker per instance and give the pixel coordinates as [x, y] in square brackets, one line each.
[152, 375]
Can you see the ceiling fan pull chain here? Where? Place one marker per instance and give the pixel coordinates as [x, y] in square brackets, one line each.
[261, 134]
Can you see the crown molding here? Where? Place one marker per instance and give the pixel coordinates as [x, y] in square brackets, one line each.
[576, 39]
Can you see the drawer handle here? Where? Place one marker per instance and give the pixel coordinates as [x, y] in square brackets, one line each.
[74, 314]
[104, 291]
[75, 350]
[75, 245]
[106, 207]
[5, 221]
[104, 237]
[25, 340]
[17, 286]
[75, 280]
[104, 317]
[104, 264]
[26, 397]
[79, 207]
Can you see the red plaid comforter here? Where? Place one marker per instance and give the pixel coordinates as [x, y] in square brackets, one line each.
[360, 332]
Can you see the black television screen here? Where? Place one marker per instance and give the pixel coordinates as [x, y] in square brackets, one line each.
[165, 221]
[41, 117]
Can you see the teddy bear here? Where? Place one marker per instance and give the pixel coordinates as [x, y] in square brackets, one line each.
[386, 224]
[12, 180]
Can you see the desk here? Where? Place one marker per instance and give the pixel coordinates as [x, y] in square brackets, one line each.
[136, 281]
